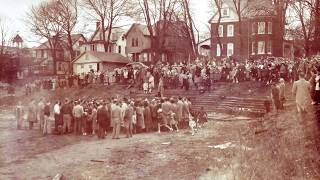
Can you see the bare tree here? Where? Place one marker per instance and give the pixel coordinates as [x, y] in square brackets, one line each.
[68, 11]
[159, 16]
[281, 7]
[44, 21]
[108, 12]
[305, 16]
[3, 34]
[240, 6]
[190, 24]
[217, 4]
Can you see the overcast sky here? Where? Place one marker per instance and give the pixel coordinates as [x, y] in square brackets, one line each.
[15, 11]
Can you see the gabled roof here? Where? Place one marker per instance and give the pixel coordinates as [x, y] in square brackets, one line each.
[250, 8]
[175, 28]
[17, 38]
[74, 37]
[105, 57]
[143, 28]
[258, 8]
[119, 29]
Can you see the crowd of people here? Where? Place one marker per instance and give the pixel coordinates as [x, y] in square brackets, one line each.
[97, 117]
[197, 75]
[77, 116]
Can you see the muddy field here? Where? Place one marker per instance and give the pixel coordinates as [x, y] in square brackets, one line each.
[228, 147]
[279, 146]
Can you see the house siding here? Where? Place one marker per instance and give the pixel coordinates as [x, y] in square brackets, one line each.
[244, 51]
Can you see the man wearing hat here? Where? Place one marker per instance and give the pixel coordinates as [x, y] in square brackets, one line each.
[115, 119]
[301, 90]
[103, 119]
[78, 112]
[128, 118]
[282, 97]
[66, 111]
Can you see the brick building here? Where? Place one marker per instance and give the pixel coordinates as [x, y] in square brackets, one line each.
[257, 35]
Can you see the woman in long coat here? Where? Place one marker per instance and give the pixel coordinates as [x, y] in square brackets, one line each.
[94, 121]
[147, 116]
[32, 115]
[19, 115]
[140, 117]
[161, 87]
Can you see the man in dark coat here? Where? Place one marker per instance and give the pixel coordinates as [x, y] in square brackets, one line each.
[103, 119]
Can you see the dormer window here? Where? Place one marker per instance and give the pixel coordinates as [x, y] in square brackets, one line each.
[225, 12]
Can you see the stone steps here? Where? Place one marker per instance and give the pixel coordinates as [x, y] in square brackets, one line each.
[215, 101]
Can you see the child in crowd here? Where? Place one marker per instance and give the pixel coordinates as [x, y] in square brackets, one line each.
[173, 122]
[192, 124]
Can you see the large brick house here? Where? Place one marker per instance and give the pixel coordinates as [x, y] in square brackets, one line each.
[257, 35]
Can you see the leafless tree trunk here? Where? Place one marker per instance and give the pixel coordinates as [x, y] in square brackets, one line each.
[316, 36]
[190, 24]
[305, 15]
[3, 35]
[42, 20]
[218, 6]
[68, 11]
[108, 13]
[158, 15]
[239, 7]
[281, 7]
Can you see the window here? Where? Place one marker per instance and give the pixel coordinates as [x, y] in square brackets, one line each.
[132, 42]
[60, 67]
[230, 49]
[218, 50]
[137, 42]
[82, 66]
[261, 27]
[261, 47]
[225, 12]
[269, 27]
[230, 30]
[119, 49]
[90, 66]
[220, 31]
[93, 47]
[269, 47]
[253, 28]
[253, 48]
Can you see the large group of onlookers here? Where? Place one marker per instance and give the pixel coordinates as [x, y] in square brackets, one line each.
[99, 116]
[197, 75]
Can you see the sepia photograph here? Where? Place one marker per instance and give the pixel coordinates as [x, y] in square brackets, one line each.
[159, 89]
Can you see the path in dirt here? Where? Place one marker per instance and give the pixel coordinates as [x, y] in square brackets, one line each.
[277, 147]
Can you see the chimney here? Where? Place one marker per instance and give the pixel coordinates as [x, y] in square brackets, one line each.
[97, 25]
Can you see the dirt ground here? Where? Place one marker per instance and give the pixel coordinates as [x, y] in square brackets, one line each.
[279, 146]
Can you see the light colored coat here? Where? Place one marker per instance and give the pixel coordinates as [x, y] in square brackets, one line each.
[301, 90]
